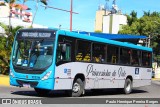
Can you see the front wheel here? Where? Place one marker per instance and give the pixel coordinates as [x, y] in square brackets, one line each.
[128, 86]
[77, 88]
[42, 92]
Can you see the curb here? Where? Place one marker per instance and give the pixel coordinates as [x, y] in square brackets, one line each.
[156, 79]
[4, 80]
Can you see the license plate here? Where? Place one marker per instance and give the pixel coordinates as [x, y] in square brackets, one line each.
[26, 85]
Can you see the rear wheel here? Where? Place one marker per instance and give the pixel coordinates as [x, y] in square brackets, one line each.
[128, 86]
[42, 92]
[77, 88]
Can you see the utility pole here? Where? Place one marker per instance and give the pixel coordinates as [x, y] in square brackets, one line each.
[71, 16]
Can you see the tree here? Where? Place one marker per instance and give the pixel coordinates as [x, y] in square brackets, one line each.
[6, 51]
[9, 3]
[146, 13]
[132, 17]
[148, 24]
[10, 32]
[153, 14]
[144, 25]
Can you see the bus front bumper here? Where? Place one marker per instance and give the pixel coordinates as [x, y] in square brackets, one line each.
[43, 84]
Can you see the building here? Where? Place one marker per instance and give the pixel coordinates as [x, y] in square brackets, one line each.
[18, 11]
[109, 20]
[113, 23]
[19, 15]
[99, 18]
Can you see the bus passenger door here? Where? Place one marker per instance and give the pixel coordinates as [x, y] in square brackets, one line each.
[63, 69]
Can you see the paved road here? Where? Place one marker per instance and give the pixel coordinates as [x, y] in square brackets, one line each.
[152, 91]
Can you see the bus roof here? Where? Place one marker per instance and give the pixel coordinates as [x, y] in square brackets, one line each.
[112, 36]
[97, 39]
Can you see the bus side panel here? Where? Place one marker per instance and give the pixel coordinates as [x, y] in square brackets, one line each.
[63, 80]
[98, 76]
[66, 73]
[63, 84]
[108, 83]
[139, 83]
[146, 73]
[144, 77]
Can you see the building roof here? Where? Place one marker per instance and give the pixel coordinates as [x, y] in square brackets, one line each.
[113, 36]
[20, 6]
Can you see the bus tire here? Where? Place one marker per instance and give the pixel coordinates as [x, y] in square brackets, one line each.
[41, 92]
[77, 88]
[127, 86]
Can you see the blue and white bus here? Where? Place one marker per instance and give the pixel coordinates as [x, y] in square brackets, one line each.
[48, 59]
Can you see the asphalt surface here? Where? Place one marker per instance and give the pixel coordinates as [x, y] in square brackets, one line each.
[152, 91]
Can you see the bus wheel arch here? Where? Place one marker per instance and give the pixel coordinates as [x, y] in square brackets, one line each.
[128, 85]
[130, 77]
[81, 76]
[78, 85]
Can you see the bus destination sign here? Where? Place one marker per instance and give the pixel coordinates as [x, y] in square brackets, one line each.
[36, 34]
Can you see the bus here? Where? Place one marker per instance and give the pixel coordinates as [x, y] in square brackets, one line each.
[52, 59]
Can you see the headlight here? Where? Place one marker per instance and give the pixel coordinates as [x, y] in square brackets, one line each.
[11, 73]
[46, 76]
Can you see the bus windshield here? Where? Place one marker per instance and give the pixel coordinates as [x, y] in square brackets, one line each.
[33, 53]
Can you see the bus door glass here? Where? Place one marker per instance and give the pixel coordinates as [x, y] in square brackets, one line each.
[64, 52]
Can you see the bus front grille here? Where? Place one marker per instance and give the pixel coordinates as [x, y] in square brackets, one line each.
[31, 83]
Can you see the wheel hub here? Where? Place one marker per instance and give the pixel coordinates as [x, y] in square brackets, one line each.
[76, 87]
[128, 86]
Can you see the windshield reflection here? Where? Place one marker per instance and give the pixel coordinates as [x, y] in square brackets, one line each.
[33, 54]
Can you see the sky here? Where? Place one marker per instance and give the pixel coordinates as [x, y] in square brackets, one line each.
[85, 20]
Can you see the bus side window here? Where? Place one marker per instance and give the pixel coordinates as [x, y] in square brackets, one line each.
[135, 57]
[87, 58]
[79, 57]
[99, 51]
[146, 59]
[112, 54]
[83, 51]
[125, 56]
[114, 60]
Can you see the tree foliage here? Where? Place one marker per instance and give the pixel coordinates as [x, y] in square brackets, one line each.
[5, 47]
[148, 24]
[6, 43]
